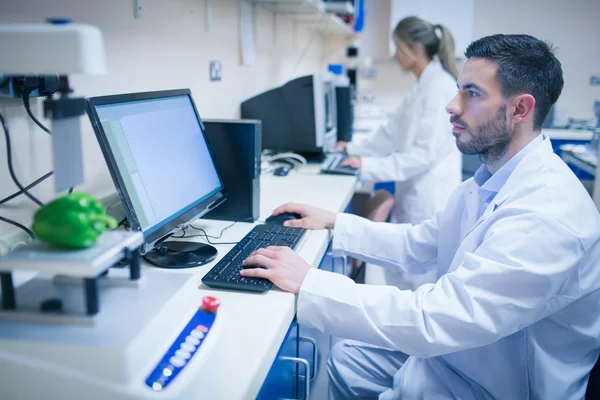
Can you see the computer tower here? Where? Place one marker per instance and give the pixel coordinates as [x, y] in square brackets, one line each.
[344, 96]
[236, 148]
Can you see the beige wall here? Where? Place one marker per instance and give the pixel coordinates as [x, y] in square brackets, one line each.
[572, 26]
[167, 48]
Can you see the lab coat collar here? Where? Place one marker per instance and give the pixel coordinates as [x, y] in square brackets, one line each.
[494, 183]
[525, 170]
[433, 69]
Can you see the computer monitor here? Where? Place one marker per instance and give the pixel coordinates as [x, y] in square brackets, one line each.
[299, 116]
[162, 166]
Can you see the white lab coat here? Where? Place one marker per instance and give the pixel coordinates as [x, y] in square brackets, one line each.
[416, 149]
[514, 313]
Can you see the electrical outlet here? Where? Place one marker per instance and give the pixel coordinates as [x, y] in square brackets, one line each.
[15, 86]
[595, 80]
[215, 71]
[34, 85]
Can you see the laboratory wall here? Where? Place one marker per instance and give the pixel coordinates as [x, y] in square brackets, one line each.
[572, 26]
[390, 83]
[169, 47]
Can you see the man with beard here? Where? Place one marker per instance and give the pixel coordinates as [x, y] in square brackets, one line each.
[513, 313]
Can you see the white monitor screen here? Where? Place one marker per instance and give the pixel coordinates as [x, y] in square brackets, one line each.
[162, 157]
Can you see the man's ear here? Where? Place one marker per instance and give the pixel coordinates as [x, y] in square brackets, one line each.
[522, 108]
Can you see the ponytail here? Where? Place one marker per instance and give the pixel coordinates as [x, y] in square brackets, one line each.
[446, 51]
[436, 39]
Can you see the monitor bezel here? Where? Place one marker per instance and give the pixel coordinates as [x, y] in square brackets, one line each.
[176, 223]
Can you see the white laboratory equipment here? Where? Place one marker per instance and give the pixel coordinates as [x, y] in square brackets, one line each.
[77, 327]
[56, 49]
[81, 329]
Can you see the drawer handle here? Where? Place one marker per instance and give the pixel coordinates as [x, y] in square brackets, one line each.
[314, 355]
[302, 361]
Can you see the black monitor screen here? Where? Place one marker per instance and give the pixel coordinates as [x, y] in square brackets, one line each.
[159, 158]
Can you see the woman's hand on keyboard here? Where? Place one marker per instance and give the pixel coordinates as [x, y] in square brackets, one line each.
[312, 217]
[281, 265]
[352, 162]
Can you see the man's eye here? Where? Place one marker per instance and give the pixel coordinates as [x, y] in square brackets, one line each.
[472, 93]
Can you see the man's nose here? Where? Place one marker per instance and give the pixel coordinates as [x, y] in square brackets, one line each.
[454, 107]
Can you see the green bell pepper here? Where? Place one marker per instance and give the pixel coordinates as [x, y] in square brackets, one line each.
[74, 221]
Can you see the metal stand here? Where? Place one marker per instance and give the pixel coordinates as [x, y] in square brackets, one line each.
[91, 295]
[91, 284]
[8, 291]
[134, 258]
[57, 293]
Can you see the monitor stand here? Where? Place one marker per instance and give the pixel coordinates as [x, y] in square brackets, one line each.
[178, 255]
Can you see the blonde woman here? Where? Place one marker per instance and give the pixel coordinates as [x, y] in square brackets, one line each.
[415, 148]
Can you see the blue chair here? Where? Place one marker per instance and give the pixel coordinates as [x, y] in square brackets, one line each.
[389, 186]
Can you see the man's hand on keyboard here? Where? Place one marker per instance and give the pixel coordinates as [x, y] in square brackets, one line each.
[282, 266]
[312, 217]
[353, 162]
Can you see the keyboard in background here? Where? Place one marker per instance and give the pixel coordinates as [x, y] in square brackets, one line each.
[226, 274]
[332, 165]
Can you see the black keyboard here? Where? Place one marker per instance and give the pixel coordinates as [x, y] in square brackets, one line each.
[333, 165]
[226, 274]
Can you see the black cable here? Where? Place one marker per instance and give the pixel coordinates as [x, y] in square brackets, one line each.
[10, 165]
[18, 225]
[182, 234]
[206, 236]
[28, 109]
[214, 237]
[40, 180]
[32, 184]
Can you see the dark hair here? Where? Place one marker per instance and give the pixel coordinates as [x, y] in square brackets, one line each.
[525, 65]
[415, 30]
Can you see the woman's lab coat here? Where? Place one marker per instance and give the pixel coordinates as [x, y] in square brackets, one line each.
[416, 149]
[515, 311]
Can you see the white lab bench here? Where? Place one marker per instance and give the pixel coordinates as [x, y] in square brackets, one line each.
[581, 161]
[253, 326]
[575, 135]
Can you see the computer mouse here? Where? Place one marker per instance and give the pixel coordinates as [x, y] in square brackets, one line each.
[281, 218]
[281, 171]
